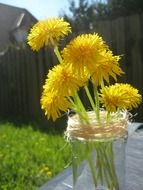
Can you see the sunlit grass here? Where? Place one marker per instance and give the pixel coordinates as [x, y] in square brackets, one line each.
[29, 158]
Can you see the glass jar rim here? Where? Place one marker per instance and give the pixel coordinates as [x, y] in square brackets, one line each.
[103, 130]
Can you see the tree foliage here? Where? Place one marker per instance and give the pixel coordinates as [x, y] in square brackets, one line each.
[124, 7]
[84, 16]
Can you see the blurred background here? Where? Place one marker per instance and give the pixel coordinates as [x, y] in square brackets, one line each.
[22, 71]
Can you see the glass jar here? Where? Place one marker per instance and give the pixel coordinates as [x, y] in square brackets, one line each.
[98, 152]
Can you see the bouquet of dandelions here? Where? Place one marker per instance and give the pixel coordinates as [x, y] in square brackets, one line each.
[85, 59]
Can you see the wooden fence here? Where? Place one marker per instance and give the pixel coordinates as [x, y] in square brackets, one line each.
[124, 36]
[22, 71]
[22, 74]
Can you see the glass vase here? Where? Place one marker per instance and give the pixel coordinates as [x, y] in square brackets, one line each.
[98, 154]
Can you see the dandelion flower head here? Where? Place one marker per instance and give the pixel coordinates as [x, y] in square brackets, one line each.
[63, 81]
[47, 31]
[120, 96]
[83, 52]
[53, 104]
[106, 67]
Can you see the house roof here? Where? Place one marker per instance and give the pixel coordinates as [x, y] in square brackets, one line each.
[13, 17]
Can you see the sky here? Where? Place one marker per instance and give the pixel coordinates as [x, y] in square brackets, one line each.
[41, 9]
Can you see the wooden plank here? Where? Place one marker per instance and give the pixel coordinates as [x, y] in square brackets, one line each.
[128, 50]
[105, 31]
[8, 83]
[3, 84]
[28, 72]
[33, 95]
[23, 81]
[41, 73]
[118, 34]
[135, 53]
[13, 79]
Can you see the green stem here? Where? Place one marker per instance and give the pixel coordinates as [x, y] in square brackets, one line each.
[56, 50]
[90, 162]
[74, 170]
[75, 108]
[107, 169]
[97, 103]
[90, 98]
[81, 108]
[106, 175]
[102, 83]
[108, 116]
[112, 165]
[99, 164]
[106, 172]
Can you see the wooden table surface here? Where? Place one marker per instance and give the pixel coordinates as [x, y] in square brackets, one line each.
[134, 164]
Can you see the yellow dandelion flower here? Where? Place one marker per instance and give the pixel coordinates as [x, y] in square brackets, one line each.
[106, 67]
[83, 52]
[63, 81]
[47, 31]
[53, 104]
[120, 96]
[45, 171]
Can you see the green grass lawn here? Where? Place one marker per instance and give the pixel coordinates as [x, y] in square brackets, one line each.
[29, 158]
